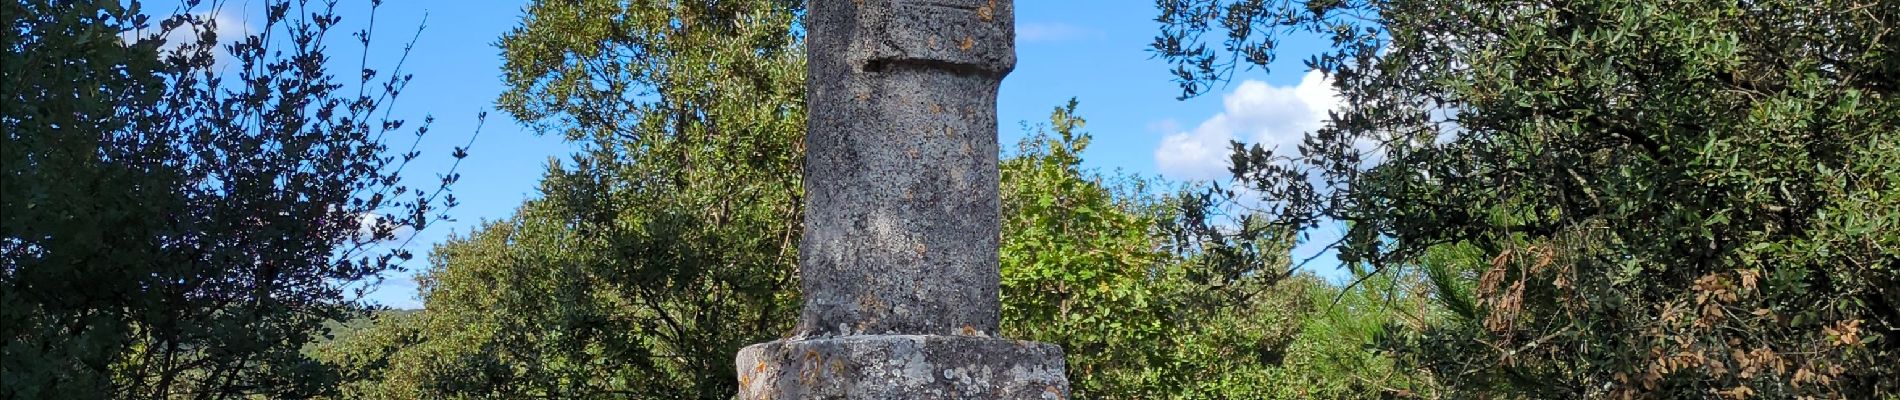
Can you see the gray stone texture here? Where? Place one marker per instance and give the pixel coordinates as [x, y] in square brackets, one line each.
[901, 223]
[898, 264]
[902, 367]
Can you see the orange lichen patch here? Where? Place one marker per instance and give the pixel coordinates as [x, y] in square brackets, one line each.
[967, 43]
[987, 13]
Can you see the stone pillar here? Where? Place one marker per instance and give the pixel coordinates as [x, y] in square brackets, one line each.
[898, 263]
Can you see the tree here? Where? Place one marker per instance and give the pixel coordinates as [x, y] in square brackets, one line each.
[656, 253]
[692, 114]
[1148, 307]
[1674, 198]
[171, 230]
[1081, 266]
[1336, 354]
[363, 352]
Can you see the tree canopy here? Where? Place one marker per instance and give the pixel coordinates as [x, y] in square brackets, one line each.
[172, 230]
[654, 254]
[1617, 198]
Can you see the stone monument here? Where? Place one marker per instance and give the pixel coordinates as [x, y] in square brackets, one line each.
[898, 263]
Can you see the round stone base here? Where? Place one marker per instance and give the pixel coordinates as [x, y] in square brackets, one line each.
[902, 367]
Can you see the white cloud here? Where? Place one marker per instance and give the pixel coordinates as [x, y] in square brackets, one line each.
[1255, 112]
[1035, 32]
[230, 25]
[367, 223]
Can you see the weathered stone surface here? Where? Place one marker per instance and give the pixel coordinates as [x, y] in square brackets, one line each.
[898, 263]
[901, 223]
[902, 367]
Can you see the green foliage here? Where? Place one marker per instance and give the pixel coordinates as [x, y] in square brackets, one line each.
[1080, 267]
[363, 350]
[1334, 357]
[173, 230]
[1094, 265]
[661, 249]
[1616, 198]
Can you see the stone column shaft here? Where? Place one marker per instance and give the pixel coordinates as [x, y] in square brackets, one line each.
[898, 263]
[902, 225]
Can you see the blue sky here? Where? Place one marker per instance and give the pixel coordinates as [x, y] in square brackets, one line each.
[1095, 51]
